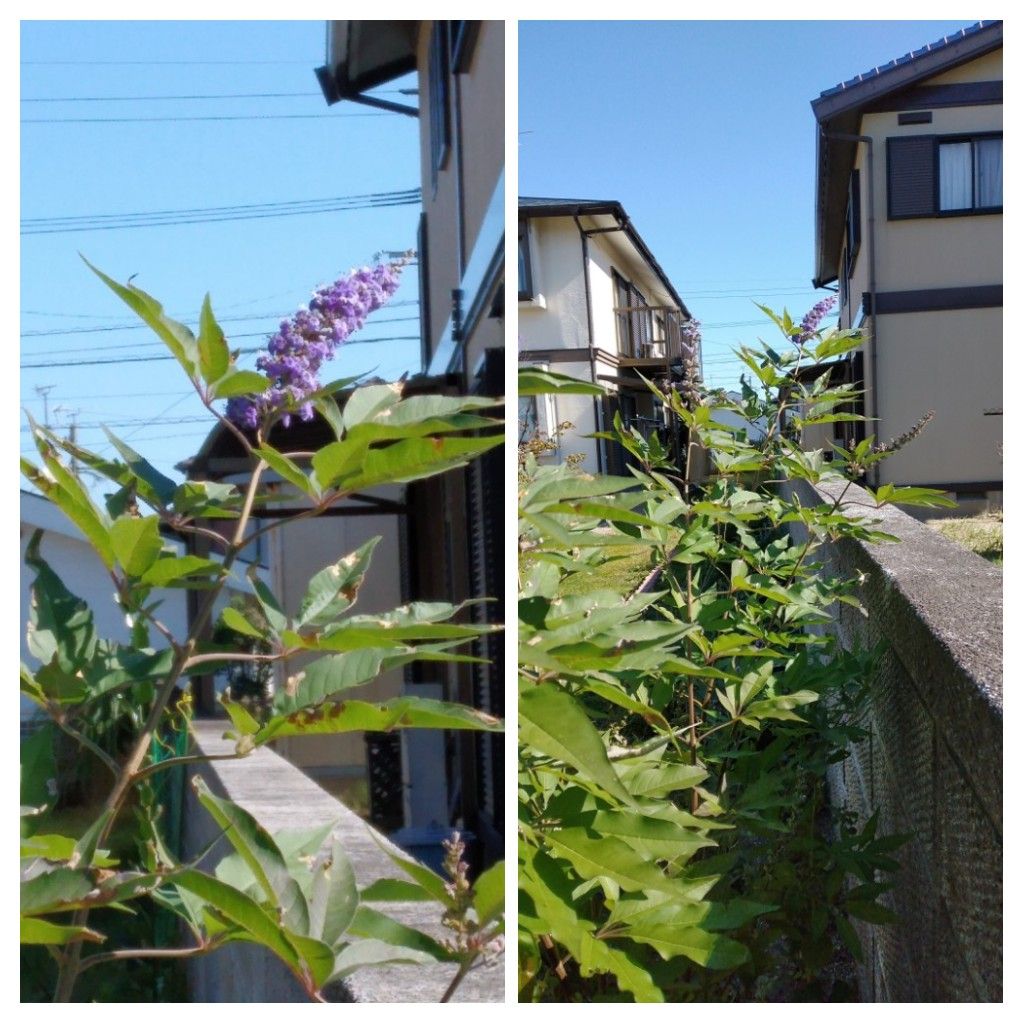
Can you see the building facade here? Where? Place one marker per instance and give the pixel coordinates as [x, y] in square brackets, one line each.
[909, 230]
[595, 304]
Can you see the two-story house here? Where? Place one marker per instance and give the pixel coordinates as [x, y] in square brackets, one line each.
[908, 225]
[595, 304]
[441, 536]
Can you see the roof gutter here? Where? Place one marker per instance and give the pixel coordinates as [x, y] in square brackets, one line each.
[872, 280]
[585, 247]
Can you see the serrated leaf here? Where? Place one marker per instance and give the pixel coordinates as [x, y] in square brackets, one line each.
[551, 721]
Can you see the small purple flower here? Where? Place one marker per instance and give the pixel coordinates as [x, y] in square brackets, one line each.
[812, 318]
[309, 339]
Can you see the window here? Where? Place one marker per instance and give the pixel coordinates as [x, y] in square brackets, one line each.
[525, 267]
[634, 321]
[971, 174]
[440, 108]
[935, 176]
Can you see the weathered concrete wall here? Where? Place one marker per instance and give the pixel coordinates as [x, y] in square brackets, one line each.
[280, 796]
[933, 763]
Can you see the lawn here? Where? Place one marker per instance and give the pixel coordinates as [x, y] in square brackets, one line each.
[982, 534]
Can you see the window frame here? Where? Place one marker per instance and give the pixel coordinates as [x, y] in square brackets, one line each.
[952, 140]
[526, 256]
[439, 98]
[936, 141]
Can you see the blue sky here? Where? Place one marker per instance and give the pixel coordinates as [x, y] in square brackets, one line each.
[703, 131]
[261, 269]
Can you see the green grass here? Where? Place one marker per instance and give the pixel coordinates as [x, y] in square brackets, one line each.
[621, 574]
[982, 534]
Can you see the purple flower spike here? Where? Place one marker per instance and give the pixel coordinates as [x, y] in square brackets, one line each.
[812, 318]
[309, 339]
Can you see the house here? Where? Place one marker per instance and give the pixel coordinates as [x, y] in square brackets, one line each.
[909, 227]
[442, 537]
[595, 304]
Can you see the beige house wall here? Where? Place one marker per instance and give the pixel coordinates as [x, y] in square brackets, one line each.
[950, 360]
[304, 548]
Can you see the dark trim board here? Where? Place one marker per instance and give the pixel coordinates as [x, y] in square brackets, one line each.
[967, 487]
[555, 355]
[929, 97]
[929, 300]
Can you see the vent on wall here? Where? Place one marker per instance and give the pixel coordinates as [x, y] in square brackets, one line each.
[916, 117]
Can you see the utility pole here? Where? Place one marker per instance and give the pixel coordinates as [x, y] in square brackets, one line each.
[43, 390]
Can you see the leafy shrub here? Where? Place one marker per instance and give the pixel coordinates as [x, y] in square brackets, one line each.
[675, 841]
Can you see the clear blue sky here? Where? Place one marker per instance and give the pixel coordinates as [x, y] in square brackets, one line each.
[703, 131]
[261, 269]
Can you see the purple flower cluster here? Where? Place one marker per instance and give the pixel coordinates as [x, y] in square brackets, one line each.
[812, 318]
[690, 333]
[302, 344]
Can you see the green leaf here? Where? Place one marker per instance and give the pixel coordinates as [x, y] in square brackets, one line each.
[534, 381]
[50, 891]
[155, 482]
[177, 337]
[404, 461]
[44, 933]
[234, 619]
[489, 894]
[288, 470]
[210, 500]
[333, 898]
[426, 879]
[374, 953]
[272, 611]
[260, 853]
[705, 948]
[394, 890]
[38, 768]
[136, 542]
[646, 782]
[242, 911]
[334, 589]
[372, 924]
[366, 402]
[360, 716]
[609, 857]
[553, 722]
[326, 677]
[214, 357]
[240, 382]
[175, 571]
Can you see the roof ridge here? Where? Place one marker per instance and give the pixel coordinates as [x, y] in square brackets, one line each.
[938, 44]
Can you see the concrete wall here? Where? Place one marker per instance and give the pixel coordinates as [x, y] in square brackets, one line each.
[280, 796]
[932, 766]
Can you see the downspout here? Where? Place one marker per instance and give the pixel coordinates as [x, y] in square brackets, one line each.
[585, 248]
[869, 142]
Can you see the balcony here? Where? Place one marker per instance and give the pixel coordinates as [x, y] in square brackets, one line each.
[650, 334]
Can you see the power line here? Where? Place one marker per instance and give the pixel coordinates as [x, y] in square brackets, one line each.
[163, 221]
[207, 117]
[159, 359]
[188, 210]
[233, 305]
[201, 96]
[223, 320]
[149, 63]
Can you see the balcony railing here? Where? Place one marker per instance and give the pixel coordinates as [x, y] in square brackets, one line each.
[650, 332]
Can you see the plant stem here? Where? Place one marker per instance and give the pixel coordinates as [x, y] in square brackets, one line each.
[464, 969]
[70, 962]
